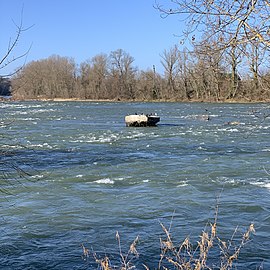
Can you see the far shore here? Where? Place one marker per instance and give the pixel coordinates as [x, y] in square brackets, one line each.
[244, 101]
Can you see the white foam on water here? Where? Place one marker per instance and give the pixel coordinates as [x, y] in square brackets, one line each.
[38, 176]
[182, 184]
[225, 181]
[120, 178]
[109, 137]
[261, 184]
[104, 181]
[253, 181]
[146, 181]
[95, 139]
[29, 119]
[42, 110]
[53, 180]
[108, 180]
[44, 145]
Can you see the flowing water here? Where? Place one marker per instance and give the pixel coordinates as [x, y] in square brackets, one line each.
[90, 176]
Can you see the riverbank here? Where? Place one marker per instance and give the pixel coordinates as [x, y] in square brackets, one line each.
[229, 101]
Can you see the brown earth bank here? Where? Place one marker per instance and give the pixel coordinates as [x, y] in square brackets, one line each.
[138, 100]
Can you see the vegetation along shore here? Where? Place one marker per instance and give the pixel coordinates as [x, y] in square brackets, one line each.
[187, 77]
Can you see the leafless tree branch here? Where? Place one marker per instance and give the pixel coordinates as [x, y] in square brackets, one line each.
[8, 56]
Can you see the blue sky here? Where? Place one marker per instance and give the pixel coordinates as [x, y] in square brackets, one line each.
[82, 29]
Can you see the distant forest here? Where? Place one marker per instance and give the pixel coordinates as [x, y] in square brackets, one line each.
[198, 76]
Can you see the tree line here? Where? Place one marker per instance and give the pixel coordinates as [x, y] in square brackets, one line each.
[205, 74]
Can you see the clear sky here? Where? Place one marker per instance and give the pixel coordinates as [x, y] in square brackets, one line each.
[82, 29]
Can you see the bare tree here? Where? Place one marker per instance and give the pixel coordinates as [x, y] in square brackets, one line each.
[233, 24]
[211, 65]
[184, 78]
[169, 60]
[256, 57]
[149, 85]
[94, 73]
[8, 57]
[235, 21]
[8, 160]
[234, 59]
[123, 74]
[54, 77]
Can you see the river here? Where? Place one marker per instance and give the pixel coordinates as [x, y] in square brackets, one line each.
[73, 174]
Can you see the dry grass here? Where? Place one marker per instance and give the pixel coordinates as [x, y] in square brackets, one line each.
[126, 259]
[210, 251]
[185, 257]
